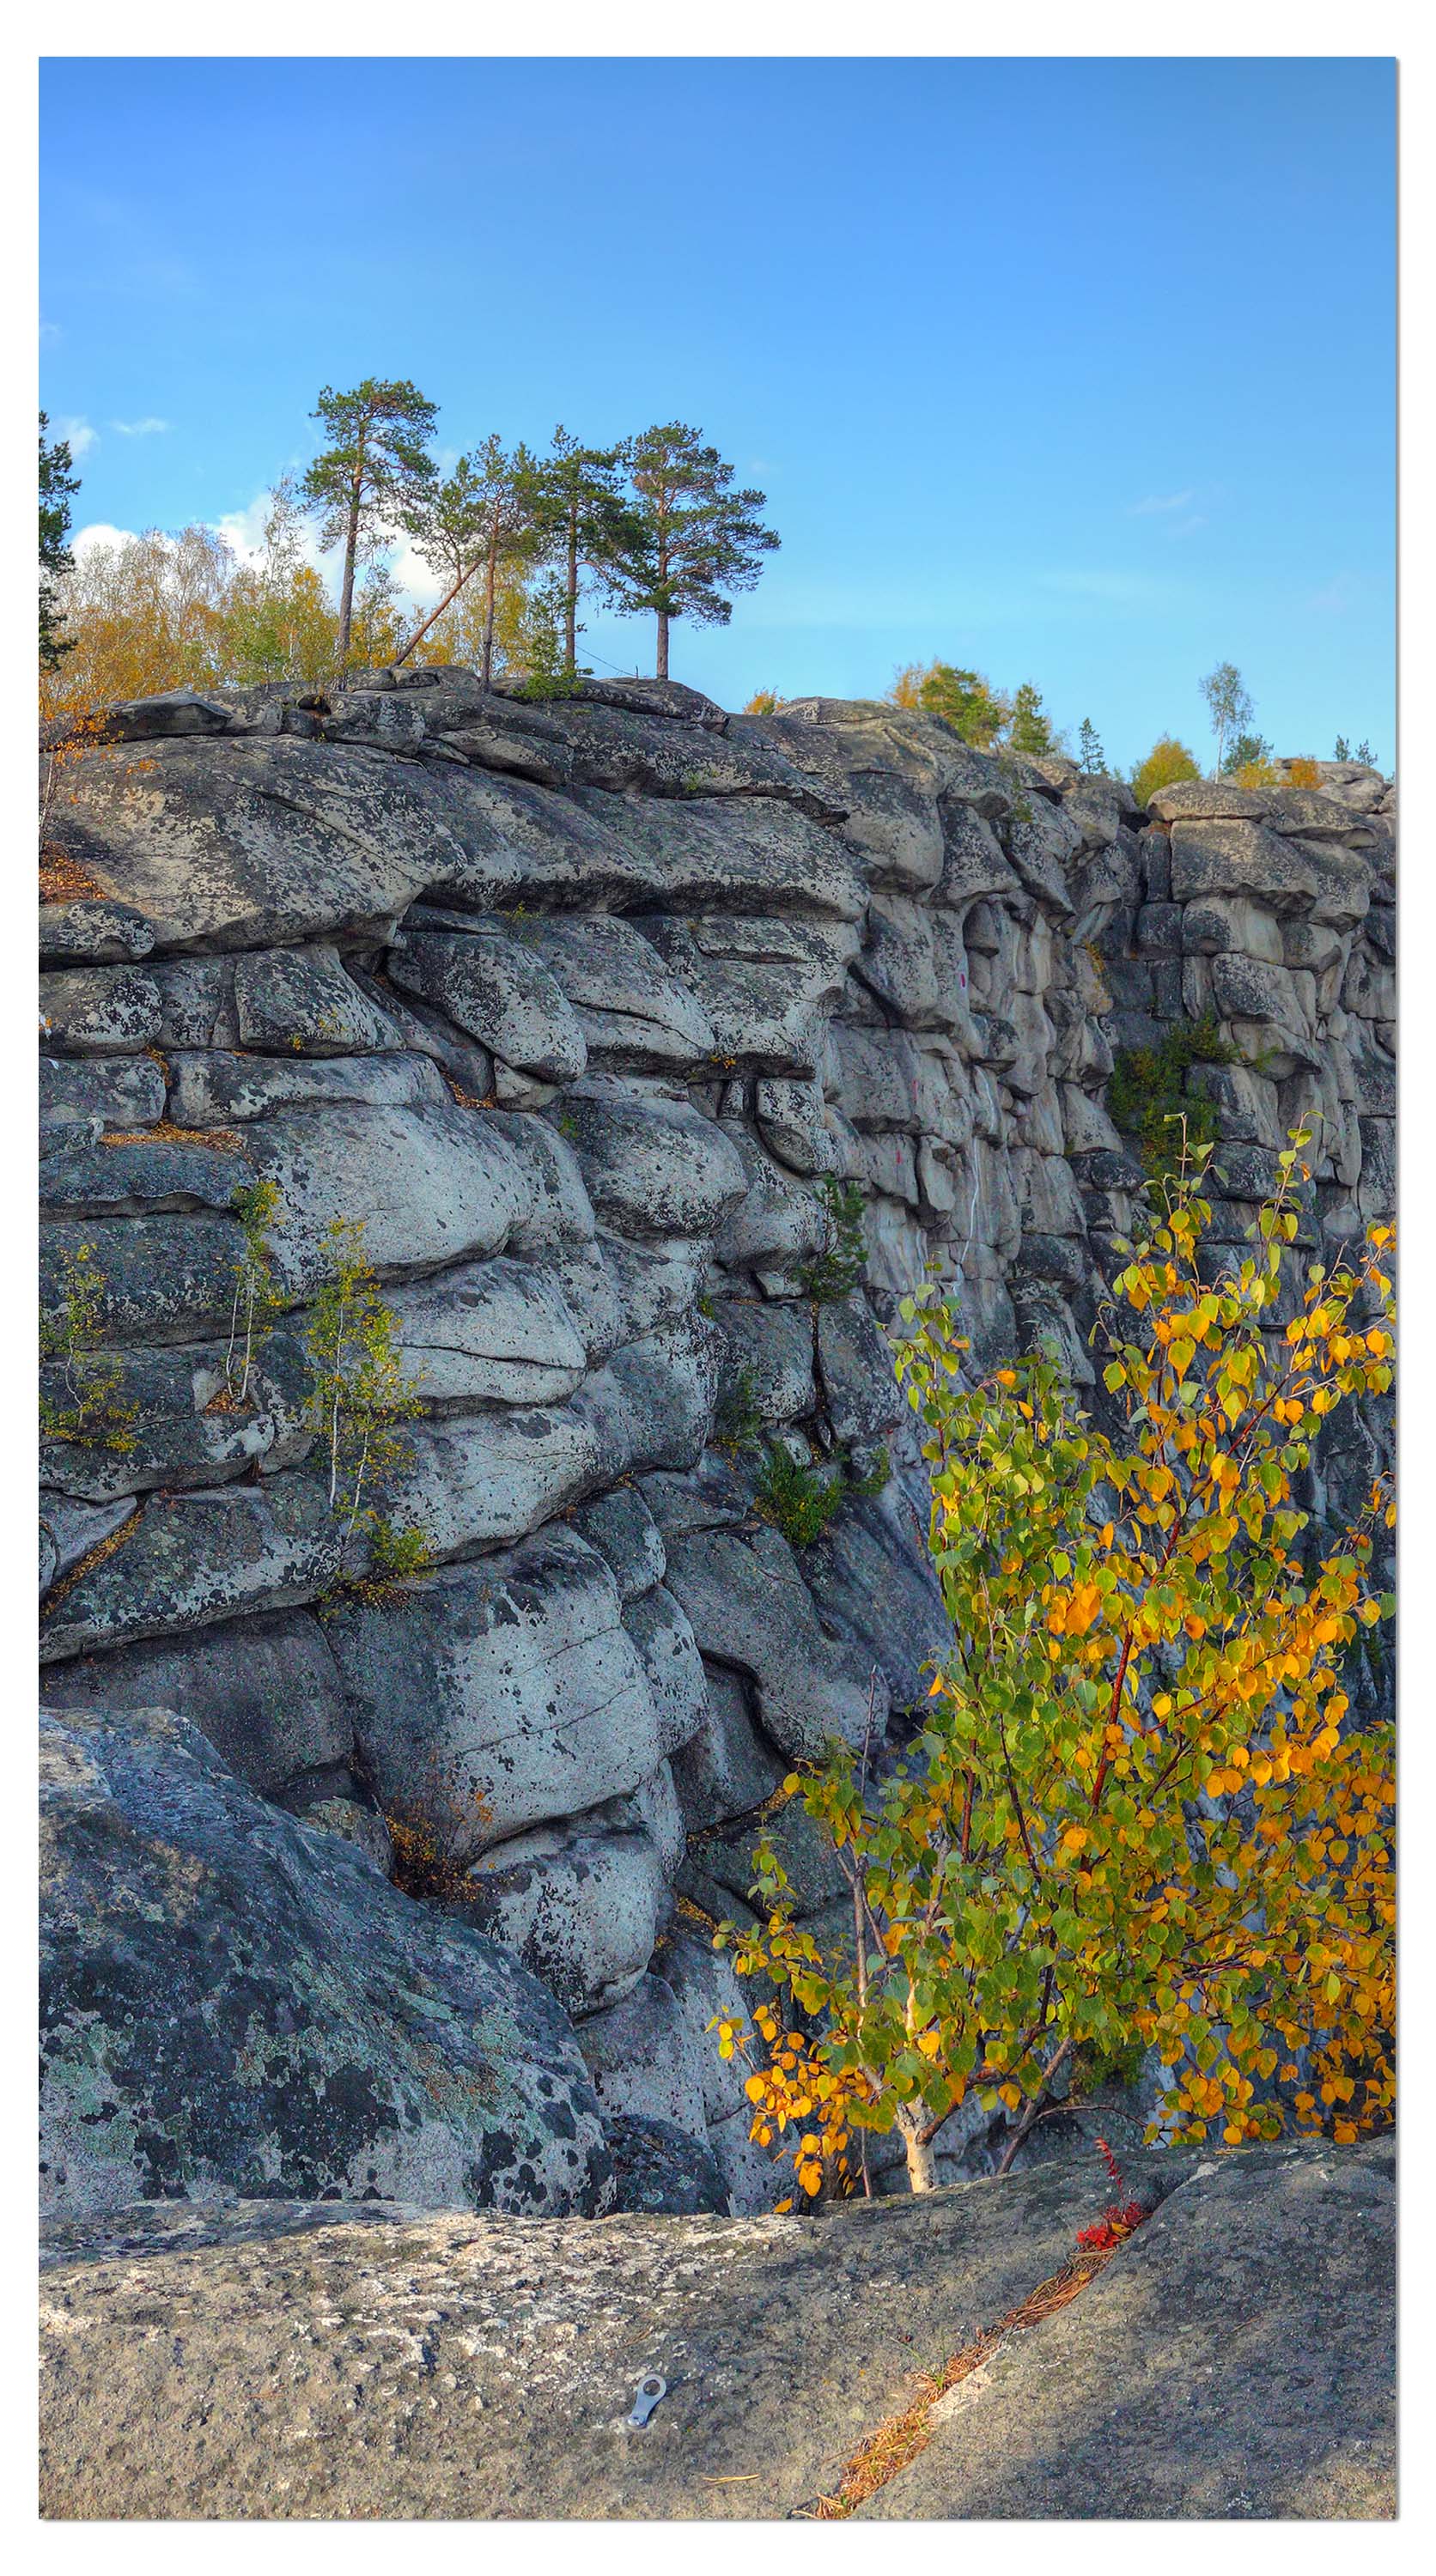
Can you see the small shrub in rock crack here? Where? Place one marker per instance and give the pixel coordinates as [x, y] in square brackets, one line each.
[255, 1304]
[738, 1423]
[799, 1500]
[834, 1273]
[79, 1403]
[359, 1392]
[1152, 1099]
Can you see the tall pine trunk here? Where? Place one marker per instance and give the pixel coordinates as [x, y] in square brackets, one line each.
[570, 606]
[490, 588]
[662, 644]
[346, 595]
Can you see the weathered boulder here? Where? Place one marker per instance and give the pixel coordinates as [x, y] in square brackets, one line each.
[265, 1692]
[193, 1558]
[177, 1421]
[654, 1166]
[498, 990]
[233, 2002]
[659, 2169]
[492, 1697]
[582, 1903]
[300, 1001]
[751, 1609]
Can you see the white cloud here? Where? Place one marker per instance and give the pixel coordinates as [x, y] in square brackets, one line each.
[424, 586]
[77, 434]
[1157, 502]
[244, 531]
[145, 428]
[99, 533]
[1336, 596]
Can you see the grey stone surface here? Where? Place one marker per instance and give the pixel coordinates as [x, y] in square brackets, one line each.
[300, 1001]
[499, 1695]
[332, 2359]
[654, 1166]
[122, 1179]
[429, 1186]
[233, 2003]
[750, 1609]
[496, 1330]
[659, 2169]
[193, 1558]
[668, 1650]
[500, 990]
[100, 933]
[265, 1692]
[645, 2057]
[122, 1091]
[99, 1010]
[582, 1903]
[1235, 2362]
[212, 1089]
[162, 1278]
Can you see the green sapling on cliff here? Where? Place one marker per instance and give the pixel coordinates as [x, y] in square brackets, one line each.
[359, 1393]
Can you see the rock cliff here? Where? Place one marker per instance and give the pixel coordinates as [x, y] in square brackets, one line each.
[602, 1016]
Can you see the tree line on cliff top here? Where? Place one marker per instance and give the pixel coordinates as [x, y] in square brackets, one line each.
[649, 526]
[653, 525]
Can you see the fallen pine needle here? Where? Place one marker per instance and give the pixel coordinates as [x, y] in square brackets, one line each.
[897, 2442]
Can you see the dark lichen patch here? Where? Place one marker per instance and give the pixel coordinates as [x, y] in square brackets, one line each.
[232, 2000]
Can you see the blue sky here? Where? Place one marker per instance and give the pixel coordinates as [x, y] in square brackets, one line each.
[1081, 371]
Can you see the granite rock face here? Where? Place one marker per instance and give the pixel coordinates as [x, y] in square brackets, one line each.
[233, 2002]
[1234, 2359]
[580, 1010]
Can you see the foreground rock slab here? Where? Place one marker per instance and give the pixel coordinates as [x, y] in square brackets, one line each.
[382, 2362]
[1236, 2361]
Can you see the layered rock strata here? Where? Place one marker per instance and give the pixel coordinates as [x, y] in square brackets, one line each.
[586, 1011]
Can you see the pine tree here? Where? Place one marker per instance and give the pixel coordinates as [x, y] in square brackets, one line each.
[691, 539]
[583, 518]
[1089, 748]
[1029, 731]
[377, 459]
[57, 483]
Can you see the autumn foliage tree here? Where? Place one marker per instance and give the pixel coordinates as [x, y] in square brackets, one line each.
[1139, 1810]
[1166, 763]
[964, 699]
